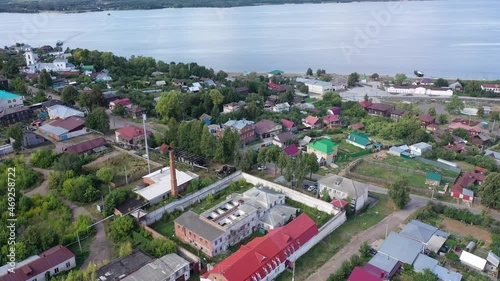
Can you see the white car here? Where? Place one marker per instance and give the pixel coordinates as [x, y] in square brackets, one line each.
[145, 156]
[262, 168]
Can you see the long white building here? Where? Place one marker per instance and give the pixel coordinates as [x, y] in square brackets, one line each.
[60, 64]
[418, 90]
[10, 100]
[316, 86]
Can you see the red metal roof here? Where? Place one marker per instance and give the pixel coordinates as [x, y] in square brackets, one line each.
[124, 101]
[85, 146]
[359, 274]
[291, 150]
[264, 126]
[287, 123]
[48, 259]
[260, 253]
[131, 132]
[339, 203]
[311, 120]
[69, 123]
[331, 118]
[426, 118]
[480, 169]
[491, 86]
[164, 147]
[365, 103]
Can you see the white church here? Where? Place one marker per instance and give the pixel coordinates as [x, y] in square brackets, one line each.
[60, 64]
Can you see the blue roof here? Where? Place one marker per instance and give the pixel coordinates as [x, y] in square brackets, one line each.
[424, 262]
[4, 95]
[446, 274]
[58, 131]
[401, 248]
[419, 231]
[383, 262]
[240, 124]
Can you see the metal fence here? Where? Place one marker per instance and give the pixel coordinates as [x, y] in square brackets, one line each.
[439, 165]
[392, 167]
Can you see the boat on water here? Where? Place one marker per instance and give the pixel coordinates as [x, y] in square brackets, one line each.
[418, 73]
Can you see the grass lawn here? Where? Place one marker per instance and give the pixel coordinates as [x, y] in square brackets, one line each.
[415, 165]
[328, 247]
[348, 148]
[310, 100]
[81, 256]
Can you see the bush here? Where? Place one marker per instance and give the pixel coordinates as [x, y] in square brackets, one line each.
[80, 189]
[452, 256]
[43, 158]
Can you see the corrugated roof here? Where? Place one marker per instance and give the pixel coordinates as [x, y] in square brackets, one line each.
[424, 262]
[131, 132]
[264, 126]
[70, 123]
[158, 270]
[359, 138]
[359, 274]
[384, 262]
[123, 266]
[394, 244]
[419, 231]
[64, 112]
[86, 146]
[323, 145]
[446, 274]
[433, 176]
[291, 150]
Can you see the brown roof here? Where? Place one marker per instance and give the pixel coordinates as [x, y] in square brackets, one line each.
[86, 146]
[426, 118]
[69, 123]
[284, 137]
[381, 106]
[48, 259]
[164, 147]
[136, 109]
[131, 132]
[264, 126]
[311, 120]
[398, 112]
[358, 126]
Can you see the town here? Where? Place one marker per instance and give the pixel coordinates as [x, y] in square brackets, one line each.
[137, 169]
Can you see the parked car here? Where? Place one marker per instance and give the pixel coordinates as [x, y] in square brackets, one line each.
[372, 251]
[262, 168]
[306, 186]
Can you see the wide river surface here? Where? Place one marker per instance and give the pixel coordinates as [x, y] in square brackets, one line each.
[454, 38]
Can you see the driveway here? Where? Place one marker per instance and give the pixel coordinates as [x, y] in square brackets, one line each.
[370, 235]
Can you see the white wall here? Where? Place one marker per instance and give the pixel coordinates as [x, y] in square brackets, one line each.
[5, 103]
[62, 267]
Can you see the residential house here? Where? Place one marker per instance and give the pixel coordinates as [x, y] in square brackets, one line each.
[271, 101]
[178, 82]
[264, 258]
[397, 114]
[124, 266]
[125, 102]
[196, 87]
[167, 268]
[493, 154]
[325, 150]
[230, 221]
[473, 261]
[427, 81]
[31, 140]
[242, 90]
[136, 111]
[426, 119]
[207, 119]
[493, 263]
[358, 126]
[361, 274]
[161, 83]
[433, 179]
[40, 267]
[291, 150]
[312, 122]
[342, 188]
[266, 128]
[275, 73]
[158, 184]
[245, 128]
[10, 100]
[289, 125]
[459, 192]
[87, 147]
[473, 130]
[480, 140]
[432, 127]
[130, 135]
[380, 109]
[491, 87]
[284, 139]
[424, 262]
[456, 86]
[63, 112]
[456, 147]
[332, 121]
[403, 151]
[365, 104]
[110, 96]
[420, 148]
[335, 110]
[63, 129]
[281, 107]
[360, 140]
[316, 86]
[13, 115]
[102, 76]
[231, 107]
[395, 242]
[426, 234]
[277, 88]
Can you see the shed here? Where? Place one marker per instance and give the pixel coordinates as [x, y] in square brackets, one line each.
[470, 246]
[433, 179]
[493, 259]
[472, 261]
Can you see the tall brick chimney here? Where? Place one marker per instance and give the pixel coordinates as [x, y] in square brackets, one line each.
[173, 176]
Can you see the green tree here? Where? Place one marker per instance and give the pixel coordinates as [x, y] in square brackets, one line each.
[304, 89]
[216, 97]
[207, 143]
[69, 162]
[325, 196]
[441, 83]
[432, 111]
[490, 191]
[15, 132]
[282, 160]
[462, 133]
[399, 79]
[352, 79]
[125, 249]
[80, 189]
[43, 158]
[98, 120]
[169, 106]
[210, 198]
[113, 199]
[495, 116]
[312, 163]
[121, 229]
[455, 105]
[69, 95]
[480, 112]
[364, 250]
[40, 97]
[105, 174]
[119, 110]
[221, 76]
[159, 247]
[426, 275]
[442, 118]
[309, 72]
[375, 76]
[399, 192]
[18, 86]
[92, 99]
[289, 169]
[45, 79]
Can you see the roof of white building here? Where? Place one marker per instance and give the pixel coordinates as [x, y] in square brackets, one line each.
[472, 260]
[314, 82]
[352, 188]
[162, 183]
[421, 145]
[64, 112]
[160, 269]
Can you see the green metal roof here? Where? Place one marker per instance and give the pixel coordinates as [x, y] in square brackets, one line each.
[323, 145]
[433, 176]
[88, 67]
[359, 138]
[4, 95]
[276, 72]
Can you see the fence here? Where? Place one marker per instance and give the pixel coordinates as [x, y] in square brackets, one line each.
[344, 156]
[292, 194]
[192, 198]
[392, 167]
[439, 165]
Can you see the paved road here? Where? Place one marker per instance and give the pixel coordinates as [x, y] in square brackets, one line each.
[370, 235]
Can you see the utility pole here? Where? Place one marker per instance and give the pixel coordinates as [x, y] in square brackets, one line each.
[146, 141]
[79, 244]
[126, 175]
[386, 230]
[293, 272]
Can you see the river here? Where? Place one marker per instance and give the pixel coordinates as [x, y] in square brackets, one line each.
[452, 38]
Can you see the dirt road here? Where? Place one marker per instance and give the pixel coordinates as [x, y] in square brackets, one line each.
[370, 235]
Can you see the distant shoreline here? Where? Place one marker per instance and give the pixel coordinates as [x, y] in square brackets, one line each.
[12, 8]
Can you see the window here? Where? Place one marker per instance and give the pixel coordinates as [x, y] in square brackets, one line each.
[8, 101]
[14, 100]
[68, 264]
[56, 270]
